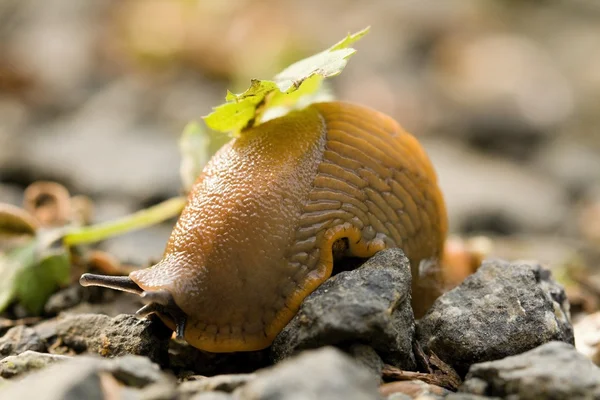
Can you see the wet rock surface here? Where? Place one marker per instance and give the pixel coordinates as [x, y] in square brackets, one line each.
[502, 310]
[554, 370]
[369, 305]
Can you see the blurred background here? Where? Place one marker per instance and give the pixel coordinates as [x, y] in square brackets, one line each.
[504, 95]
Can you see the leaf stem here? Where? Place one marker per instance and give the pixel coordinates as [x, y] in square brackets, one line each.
[138, 220]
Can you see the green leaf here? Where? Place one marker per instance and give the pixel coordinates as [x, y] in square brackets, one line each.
[248, 108]
[350, 39]
[12, 263]
[240, 109]
[31, 272]
[35, 284]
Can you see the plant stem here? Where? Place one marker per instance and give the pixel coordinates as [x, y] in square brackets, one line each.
[138, 220]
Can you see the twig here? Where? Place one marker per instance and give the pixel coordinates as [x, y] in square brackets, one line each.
[445, 377]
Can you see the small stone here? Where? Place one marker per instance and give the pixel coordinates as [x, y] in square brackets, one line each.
[219, 383]
[135, 371]
[20, 339]
[111, 337]
[369, 305]
[413, 389]
[554, 370]
[163, 390]
[28, 361]
[63, 300]
[75, 379]
[467, 396]
[212, 396]
[323, 374]
[83, 377]
[587, 336]
[399, 396]
[366, 356]
[503, 309]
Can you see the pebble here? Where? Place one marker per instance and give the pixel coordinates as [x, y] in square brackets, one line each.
[108, 337]
[369, 305]
[554, 370]
[325, 374]
[503, 309]
[20, 339]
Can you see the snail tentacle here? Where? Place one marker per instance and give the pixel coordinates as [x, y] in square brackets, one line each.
[122, 283]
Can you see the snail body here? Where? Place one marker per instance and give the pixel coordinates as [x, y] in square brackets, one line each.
[271, 211]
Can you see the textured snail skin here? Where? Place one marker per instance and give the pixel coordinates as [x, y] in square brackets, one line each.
[257, 233]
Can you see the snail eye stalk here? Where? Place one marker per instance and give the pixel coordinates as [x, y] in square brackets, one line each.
[122, 283]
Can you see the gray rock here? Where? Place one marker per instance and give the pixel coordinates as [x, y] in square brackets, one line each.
[26, 362]
[103, 301]
[399, 396]
[324, 374]
[212, 396]
[135, 371]
[20, 339]
[81, 378]
[64, 299]
[111, 337]
[467, 396]
[164, 390]
[554, 370]
[219, 383]
[366, 356]
[369, 305]
[413, 389]
[502, 310]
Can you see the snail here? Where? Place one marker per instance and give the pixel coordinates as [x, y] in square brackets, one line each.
[271, 212]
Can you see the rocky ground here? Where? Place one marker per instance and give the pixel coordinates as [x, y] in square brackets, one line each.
[502, 94]
[506, 332]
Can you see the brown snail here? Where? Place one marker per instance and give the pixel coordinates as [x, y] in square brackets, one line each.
[271, 211]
